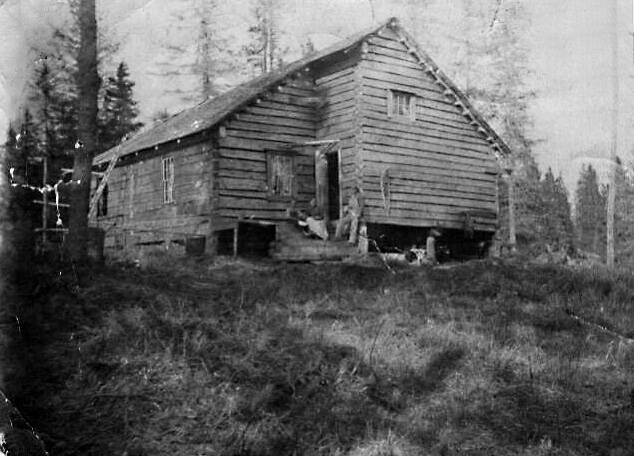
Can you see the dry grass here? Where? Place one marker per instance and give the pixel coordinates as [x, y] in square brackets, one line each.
[238, 358]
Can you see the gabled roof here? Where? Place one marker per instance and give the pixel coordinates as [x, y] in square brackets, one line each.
[212, 111]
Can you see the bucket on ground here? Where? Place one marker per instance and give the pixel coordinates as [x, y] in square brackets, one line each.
[195, 245]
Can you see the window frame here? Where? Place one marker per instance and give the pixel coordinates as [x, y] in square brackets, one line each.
[408, 99]
[270, 189]
[167, 178]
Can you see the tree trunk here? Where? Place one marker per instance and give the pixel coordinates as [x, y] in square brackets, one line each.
[609, 256]
[88, 83]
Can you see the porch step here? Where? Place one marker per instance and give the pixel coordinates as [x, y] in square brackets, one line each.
[293, 245]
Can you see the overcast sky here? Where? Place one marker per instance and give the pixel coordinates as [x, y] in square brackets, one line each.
[570, 56]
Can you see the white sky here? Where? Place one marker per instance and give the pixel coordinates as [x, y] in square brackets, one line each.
[569, 42]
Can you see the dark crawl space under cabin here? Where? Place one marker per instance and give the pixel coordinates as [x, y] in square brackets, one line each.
[372, 115]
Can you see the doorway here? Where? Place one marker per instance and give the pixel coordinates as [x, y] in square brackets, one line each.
[327, 182]
[334, 192]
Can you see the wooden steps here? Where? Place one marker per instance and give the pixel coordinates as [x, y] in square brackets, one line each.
[293, 245]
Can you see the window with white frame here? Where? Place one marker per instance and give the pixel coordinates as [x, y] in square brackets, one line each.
[401, 104]
[168, 179]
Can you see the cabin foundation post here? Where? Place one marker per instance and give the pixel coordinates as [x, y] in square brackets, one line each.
[364, 243]
[235, 240]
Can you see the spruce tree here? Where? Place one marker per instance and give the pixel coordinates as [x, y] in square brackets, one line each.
[11, 148]
[528, 199]
[624, 215]
[118, 114]
[197, 52]
[264, 52]
[54, 103]
[590, 211]
[565, 226]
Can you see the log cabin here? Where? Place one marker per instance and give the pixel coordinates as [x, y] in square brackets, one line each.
[372, 112]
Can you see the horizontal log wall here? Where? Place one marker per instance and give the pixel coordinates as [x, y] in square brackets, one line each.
[136, 212]
[338, 119]
[283, 116]
[432, 169]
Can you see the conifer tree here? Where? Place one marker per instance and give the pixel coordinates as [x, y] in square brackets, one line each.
[264, 52]
[196, 52]
[11, 148]
[118, 114]
[20, 147]
[624, 214]
[547, 221]
[590, 211]
[27, 140]
[565, 226]
[54, 102]
[555, 225]
[528, 198]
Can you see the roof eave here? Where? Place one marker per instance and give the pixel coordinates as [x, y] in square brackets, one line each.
[430, 65]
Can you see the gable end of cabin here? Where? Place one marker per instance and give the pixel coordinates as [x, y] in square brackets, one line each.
[425, 162]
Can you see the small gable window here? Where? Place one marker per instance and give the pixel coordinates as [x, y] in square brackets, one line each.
[167, 166]
[281, 174]
[401, 104]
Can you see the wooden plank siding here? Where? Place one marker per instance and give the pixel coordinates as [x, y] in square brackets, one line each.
[280, 119]
[338, 119]
[437, 166]
[136, 210]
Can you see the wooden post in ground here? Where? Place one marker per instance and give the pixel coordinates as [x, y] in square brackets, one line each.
[321, 182]
[235, 240]
[44, 201]
[512, 233]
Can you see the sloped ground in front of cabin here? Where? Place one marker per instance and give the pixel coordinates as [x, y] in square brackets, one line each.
[237, 358]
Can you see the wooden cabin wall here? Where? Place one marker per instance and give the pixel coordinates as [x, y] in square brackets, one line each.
[436, 166]
[279, 119]
[136, 211]
[338, 118]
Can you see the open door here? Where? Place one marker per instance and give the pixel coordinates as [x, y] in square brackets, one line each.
[334, 189]
[327, 183]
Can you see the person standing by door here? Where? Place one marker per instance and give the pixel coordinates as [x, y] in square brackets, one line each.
[351, 216]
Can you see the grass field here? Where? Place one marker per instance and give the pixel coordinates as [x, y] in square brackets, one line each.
[240, 358]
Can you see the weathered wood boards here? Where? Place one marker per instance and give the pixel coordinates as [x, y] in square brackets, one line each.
[338, 119]
[136, 208]
[436, 165]
[278, 121]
